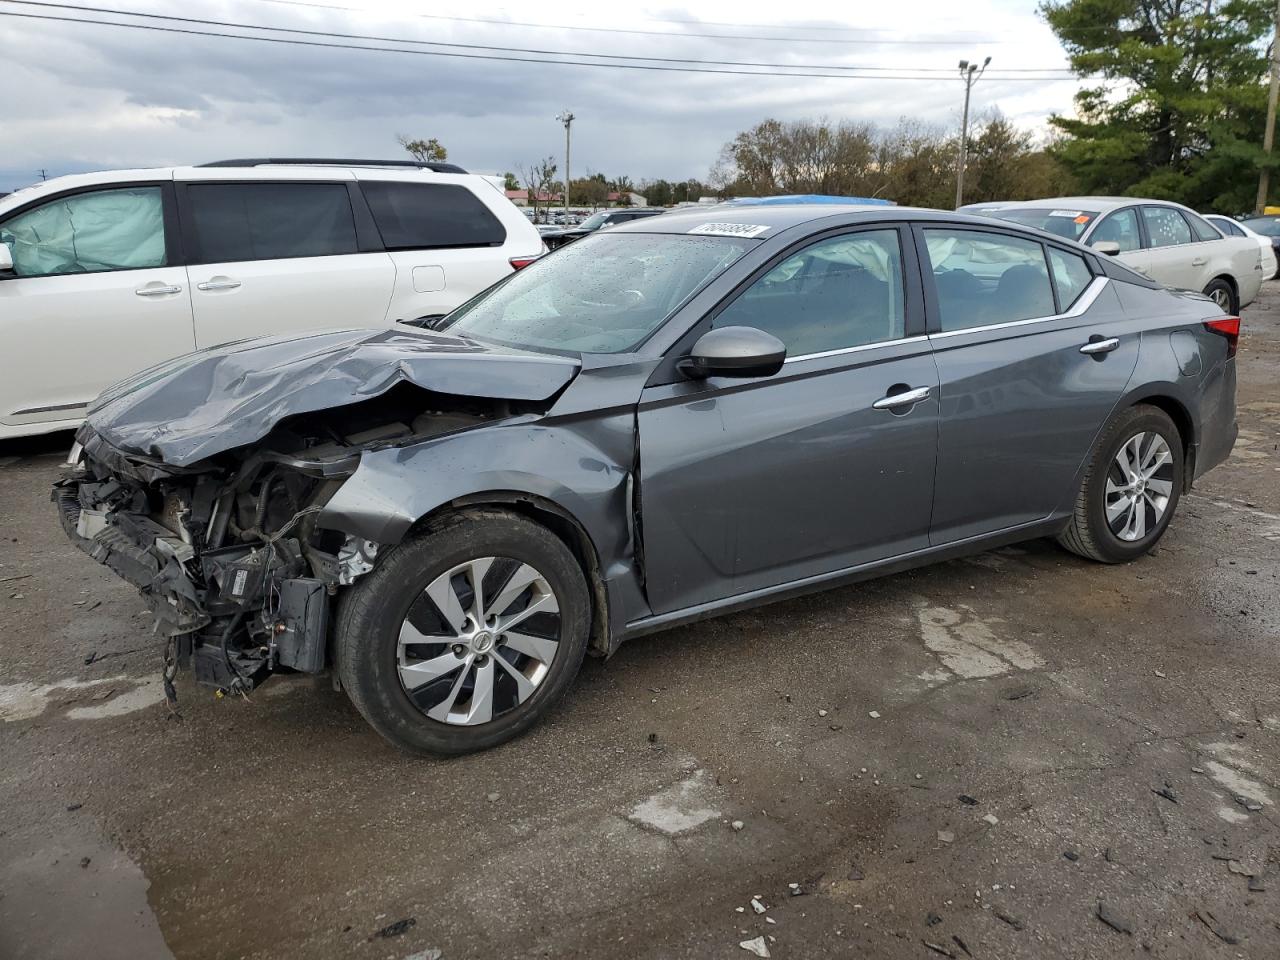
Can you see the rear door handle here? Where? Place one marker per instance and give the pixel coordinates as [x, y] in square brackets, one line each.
[904, 399]
[221, 283]
[1199, 262]
[157, 291]
[1101, 346]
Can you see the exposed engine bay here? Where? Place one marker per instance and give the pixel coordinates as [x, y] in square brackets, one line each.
[227, 552]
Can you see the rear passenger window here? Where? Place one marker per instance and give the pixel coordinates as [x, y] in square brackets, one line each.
[412, 216]
[837, 293]
[1070, 274]
[270, 221]
[985, 278]
[1200, 228]
[1165, 226]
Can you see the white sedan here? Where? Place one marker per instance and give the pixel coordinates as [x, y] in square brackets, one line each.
[1165, 241]
[1266, 244]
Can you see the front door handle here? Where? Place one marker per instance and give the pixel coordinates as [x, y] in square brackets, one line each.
[218, 283]
[160, 291]
[904, 399]
[1100, 346]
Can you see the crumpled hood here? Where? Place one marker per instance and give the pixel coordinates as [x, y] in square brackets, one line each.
[185, 410]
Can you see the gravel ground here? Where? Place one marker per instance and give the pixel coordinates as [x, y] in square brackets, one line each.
[1021, 754]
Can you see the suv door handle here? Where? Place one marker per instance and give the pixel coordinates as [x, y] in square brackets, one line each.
[904, 399]
[160, 291]
[1101, 346]
[221, 283]
[1199, 262]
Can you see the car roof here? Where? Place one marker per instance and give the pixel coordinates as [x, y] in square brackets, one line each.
[769, 221]
[1096, 204]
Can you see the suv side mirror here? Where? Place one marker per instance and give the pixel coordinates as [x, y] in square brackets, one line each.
[1109, 247]
[6, 259]
[734, 352]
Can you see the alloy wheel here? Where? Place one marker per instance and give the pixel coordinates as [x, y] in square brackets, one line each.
[479, 640]
[1139, 484]
[1222, 297]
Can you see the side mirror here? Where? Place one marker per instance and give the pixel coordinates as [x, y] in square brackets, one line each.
[1109, 247]
[734, 352]
[6, 259]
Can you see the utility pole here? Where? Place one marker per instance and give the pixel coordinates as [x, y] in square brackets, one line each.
[566, 118]
[1269, 134]
[969, 73]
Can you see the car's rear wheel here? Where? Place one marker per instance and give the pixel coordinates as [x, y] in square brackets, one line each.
[1223, 294]
[1130, 489]
[463, 637]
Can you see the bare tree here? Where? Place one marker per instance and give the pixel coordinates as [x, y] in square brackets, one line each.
[539, 178]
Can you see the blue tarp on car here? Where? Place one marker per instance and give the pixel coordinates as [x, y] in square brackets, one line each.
[814, 198]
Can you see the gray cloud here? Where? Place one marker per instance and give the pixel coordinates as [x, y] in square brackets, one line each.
[100, 96]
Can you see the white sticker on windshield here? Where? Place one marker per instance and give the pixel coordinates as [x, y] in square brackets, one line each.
[731, 229]
[1065, 213]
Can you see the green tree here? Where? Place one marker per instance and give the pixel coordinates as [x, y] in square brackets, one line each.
[426, 151]
[510, 181]
[1004, 164]
[1178, 111]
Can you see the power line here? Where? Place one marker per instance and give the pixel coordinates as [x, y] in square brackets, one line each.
[289, 41]
[328, 34]
[654, 33]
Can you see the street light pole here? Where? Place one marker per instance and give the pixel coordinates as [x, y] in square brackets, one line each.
[1268, 135]
[969, 73]
[566, 118]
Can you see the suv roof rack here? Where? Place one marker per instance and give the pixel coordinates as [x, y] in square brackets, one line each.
[331, 162]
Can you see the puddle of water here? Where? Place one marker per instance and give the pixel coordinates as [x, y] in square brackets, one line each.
[55, 909]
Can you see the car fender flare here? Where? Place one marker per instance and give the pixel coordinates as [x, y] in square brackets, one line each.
[584, 477]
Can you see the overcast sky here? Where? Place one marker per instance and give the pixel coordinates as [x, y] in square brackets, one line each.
[81, 97]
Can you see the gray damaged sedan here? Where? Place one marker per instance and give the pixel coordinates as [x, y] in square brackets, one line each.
[689, 415]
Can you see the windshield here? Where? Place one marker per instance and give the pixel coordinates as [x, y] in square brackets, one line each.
[1267, 226]
[603, 294]
[593, 222]
[1064, 223]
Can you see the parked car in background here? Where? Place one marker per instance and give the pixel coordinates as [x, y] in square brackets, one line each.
[600, 220]
[1269, 245]
[683, 416]
[1165, 241]
[104, 274]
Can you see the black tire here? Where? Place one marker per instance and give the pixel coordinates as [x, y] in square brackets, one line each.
[1088, 533]
[1223, 288]
[373, 610]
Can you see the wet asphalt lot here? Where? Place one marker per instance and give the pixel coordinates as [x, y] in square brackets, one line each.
[983, 756]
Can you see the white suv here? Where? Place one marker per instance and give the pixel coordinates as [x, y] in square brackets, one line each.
[104, 274]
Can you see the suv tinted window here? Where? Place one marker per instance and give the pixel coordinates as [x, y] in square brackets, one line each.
[842, 292]
[422, 215]
[1165, 226]
[985, 278]
[88, 233]
[270, 221]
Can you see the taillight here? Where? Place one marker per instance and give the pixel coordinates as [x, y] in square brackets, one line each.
[519, 263]
[1228, 327]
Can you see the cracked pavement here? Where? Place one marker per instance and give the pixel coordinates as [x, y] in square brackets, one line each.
[1120, 726]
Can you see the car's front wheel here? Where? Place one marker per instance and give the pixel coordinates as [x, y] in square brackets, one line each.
[464, 636]
[1130, 489]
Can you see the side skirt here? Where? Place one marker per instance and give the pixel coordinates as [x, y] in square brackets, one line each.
[827, 581]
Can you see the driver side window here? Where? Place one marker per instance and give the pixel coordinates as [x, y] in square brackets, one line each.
[104, 230]
[1120, 227]
[841, 292]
